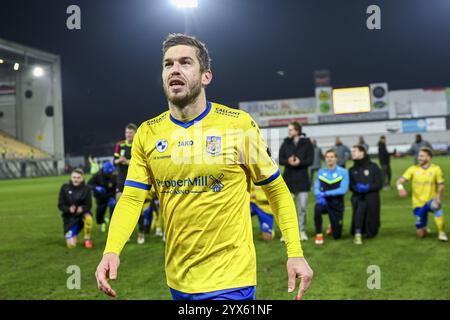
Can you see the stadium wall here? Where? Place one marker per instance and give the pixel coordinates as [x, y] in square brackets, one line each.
[33, 113]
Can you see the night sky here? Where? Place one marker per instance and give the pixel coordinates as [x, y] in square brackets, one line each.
[111, 68]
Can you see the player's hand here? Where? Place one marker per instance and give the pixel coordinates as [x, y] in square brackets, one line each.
[72, 208]
[107, 270]
[299, 268]
[296, 161]
[80, 210]
[402, 193]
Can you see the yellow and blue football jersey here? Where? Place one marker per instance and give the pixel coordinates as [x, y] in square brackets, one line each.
[201, 171]
[424, 183]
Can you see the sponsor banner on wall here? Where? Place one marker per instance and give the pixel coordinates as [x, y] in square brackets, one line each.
[281, 111]
[379, 97]
[414, 125]
[436, 124]
[417, 103]
[367, 116]
[324, 101]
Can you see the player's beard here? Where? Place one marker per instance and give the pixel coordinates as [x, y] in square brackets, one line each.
[192, 94]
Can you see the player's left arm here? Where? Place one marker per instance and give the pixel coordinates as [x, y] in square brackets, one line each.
[265, 173]
[440, 184]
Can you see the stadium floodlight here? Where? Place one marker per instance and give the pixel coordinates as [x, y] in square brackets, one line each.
[1, 61]
[182, 4]
[38, 72]
[16, 66]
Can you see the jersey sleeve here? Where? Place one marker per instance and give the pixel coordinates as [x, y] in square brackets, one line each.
[257, 157]
[439, 176]
[129, 206]
[409, 173]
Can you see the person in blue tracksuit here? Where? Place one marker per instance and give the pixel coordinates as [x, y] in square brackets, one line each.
[330, 186]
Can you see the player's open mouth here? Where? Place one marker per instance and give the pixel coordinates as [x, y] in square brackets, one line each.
[176, 84]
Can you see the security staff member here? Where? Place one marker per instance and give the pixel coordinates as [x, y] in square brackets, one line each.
[365, 183]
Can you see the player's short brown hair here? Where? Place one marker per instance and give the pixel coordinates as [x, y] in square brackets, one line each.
[427, 151]
[177, 39]
[131, 126]
[78, 170]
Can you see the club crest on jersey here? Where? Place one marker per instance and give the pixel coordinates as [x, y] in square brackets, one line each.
[161, 145]
[213, 145]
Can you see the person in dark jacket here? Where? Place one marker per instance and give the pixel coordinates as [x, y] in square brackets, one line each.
[365, 183]
[75, 205]
[384, 156]
[297, 154]
[104, 184]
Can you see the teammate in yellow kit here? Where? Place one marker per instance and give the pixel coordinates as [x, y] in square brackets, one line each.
[427, 182]
[201, 158]
[259, 206]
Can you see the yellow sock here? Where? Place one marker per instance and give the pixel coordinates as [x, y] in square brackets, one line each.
[87, 226]
[440, 223]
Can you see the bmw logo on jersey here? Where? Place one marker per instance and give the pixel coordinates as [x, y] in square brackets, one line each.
[161, 145]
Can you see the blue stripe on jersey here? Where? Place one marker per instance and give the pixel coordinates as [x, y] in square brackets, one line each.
[268, 180]
[135, 184]
[244, 293]
[190, 123]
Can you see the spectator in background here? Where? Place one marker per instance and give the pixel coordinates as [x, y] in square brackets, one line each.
[365, 183]
[317, 162]
[3, 151]
[342, 151]
[297, 154]
[104, 184]
[363, 143]
[75, 203]
[122, 157]
[418, 144]
[384, 157]
[330, 186]
[93, 165]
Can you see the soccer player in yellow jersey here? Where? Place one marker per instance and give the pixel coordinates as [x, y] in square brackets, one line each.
[427, 181]
[201, 158]
[259, 206]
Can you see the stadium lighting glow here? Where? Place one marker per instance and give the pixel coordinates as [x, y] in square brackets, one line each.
[185, 3]
[38, 72]
[16, 66]
[1, 61]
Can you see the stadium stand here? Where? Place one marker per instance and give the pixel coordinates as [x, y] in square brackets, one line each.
[10, 148]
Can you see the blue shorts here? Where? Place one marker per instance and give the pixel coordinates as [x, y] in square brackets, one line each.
[421, 214]
[243, 293]
[73, 232]
[266, 220]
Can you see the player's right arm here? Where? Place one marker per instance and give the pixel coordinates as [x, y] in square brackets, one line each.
[126, 215]
[62, 204]
[406, 176]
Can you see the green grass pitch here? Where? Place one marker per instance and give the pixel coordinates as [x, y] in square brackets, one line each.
[34, 259]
